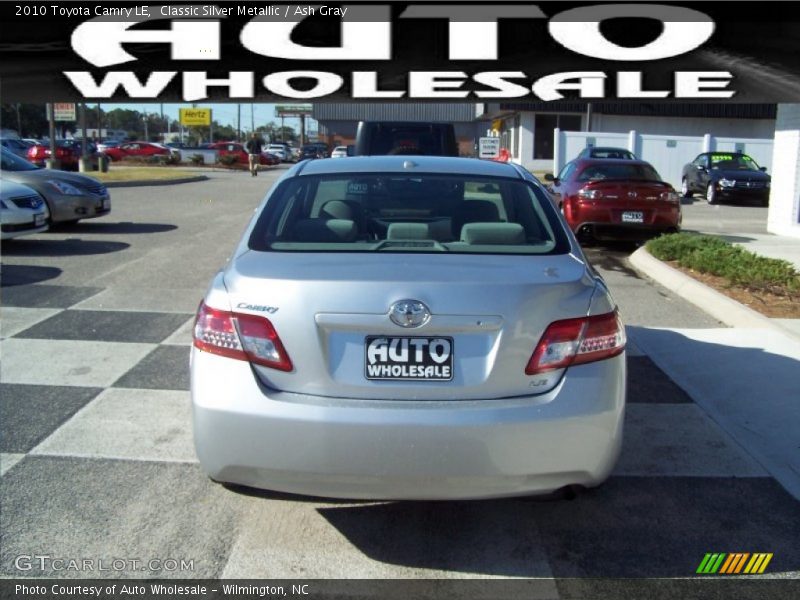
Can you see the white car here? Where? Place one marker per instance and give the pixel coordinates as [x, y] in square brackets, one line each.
[22, 210]
[339, 152]
[278, 150]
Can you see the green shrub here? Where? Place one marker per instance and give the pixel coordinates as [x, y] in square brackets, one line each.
[228, 160]
[712, 255]
[197, 159]
[174, 158]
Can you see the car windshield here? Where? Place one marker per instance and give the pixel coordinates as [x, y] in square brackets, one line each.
[405, 213]
[726, 162]
[12, 162]
[615, 153]
[637, 172]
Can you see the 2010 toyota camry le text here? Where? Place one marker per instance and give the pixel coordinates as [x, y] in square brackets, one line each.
[408, 327]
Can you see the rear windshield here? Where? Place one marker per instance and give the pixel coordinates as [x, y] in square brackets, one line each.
[405, 213]
[637, 172]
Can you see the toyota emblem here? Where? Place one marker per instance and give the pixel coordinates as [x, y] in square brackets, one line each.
[409, 313]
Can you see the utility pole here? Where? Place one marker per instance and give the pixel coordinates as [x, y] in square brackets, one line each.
[146, 136]
[239, 122]
[99, 124]
[52, 162]
[252, 119]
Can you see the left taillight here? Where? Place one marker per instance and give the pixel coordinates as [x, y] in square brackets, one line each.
[240, 336]
[577, 341]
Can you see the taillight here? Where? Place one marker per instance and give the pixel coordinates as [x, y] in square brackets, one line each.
[240, 336]
[671, 196]
[61, 152]
[589, 194]
[577, 341]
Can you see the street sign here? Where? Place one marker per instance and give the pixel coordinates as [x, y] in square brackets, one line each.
[488, 147]
[63, 111]
[193, 117]
[293, 110]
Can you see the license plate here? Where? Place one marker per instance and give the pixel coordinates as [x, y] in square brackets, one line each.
[106, 203]
[633, 217]
[408, 358]
[38, 220]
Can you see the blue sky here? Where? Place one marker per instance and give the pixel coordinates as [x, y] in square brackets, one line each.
[224, 114]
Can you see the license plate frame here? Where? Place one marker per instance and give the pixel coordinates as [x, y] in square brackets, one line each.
[632, 216]
[408, 358]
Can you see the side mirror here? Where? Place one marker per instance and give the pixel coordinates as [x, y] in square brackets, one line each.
[549, 177]
[700, 168]
[763, 169]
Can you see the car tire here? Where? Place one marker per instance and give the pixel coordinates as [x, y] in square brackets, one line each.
[711, 194]
[686, 192]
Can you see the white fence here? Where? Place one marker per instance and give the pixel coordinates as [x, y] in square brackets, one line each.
[667, 153]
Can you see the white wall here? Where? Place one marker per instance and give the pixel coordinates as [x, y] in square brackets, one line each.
[784, 202]
[749, 128]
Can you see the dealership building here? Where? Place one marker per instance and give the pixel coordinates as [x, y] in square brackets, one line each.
[543, 136]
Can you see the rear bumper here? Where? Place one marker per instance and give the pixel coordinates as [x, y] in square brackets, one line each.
[369, 449]
[627, 232]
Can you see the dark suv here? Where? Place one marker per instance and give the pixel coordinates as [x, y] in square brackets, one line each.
[382, 137]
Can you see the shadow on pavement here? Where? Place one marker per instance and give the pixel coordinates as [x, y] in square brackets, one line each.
[68, 247]
[26, 274]
[125, 227]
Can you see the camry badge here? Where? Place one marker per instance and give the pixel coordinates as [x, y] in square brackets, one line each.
[409, 313]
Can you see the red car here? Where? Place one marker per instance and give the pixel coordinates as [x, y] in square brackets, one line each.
[137, 149]
[67, 151]
[237, 149]
[607, 199]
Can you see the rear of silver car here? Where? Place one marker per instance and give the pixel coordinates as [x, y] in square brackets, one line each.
[374, 339]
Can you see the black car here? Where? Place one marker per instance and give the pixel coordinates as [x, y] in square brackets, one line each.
[382, 137]
[311, 151]
[606, 152]
[726, 176]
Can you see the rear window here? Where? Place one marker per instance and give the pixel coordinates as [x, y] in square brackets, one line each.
[405, 213]
[637, 172]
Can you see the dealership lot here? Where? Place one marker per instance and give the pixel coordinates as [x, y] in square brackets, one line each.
[97, 457]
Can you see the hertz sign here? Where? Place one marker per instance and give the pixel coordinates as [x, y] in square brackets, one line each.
[194, 117]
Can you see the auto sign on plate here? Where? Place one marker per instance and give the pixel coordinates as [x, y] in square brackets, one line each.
[635, 216]
[408, 358]
[38, 220]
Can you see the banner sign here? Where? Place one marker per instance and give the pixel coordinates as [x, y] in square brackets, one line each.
[474, 52]
[62, 111]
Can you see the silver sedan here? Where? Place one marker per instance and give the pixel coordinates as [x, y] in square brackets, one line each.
[408, 327]
[70, 197]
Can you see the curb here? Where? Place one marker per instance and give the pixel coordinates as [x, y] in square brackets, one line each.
[719, 306]
[146, 182]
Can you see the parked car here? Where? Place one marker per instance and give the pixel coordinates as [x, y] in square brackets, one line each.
[321, 148]
[339, 152]
[384, 137]
[606, 199]
[606, 152]
[311, 152]
[70, 197]
[142, 149]
[68, 152]
[726, 176]
[22, 210]
[238, 150]
[104, 146]
[279, 150]
[17, 146]
[408, 330]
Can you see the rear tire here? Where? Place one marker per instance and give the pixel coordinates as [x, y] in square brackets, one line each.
[685, 191]
[711, 194]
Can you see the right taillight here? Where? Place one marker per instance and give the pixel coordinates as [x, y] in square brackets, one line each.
[240, 336]
[577, 341]
[589, 194]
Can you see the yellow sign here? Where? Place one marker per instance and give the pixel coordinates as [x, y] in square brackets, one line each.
[195, 116]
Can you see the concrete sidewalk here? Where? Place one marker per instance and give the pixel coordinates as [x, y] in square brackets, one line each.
[747, 378]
